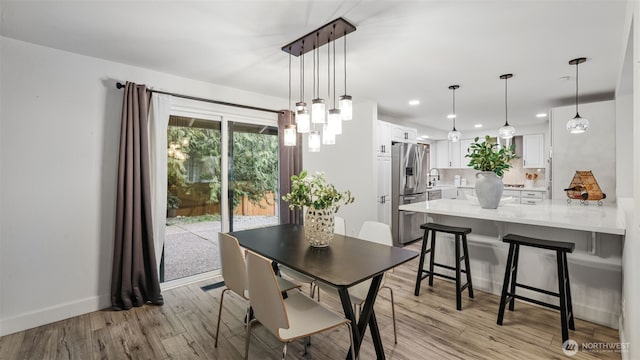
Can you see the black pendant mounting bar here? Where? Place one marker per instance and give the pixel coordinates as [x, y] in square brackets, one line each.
[319, 37]
[577, 61]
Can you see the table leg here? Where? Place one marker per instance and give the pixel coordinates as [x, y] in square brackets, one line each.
[367, 317]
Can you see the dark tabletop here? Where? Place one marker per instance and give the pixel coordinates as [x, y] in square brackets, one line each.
[346, 262]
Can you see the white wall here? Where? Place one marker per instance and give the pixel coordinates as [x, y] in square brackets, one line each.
[630, 124]
[350, 165]
[593, 150]
[59, 133]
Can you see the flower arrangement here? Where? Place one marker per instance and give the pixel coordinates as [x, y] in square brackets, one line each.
[488, 156]
[313, 191]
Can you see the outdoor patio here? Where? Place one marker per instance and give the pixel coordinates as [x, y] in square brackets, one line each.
[192, 248]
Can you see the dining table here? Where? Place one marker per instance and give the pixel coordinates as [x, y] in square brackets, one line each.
[346, 262]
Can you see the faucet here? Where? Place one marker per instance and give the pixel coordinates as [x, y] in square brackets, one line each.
[434, 172]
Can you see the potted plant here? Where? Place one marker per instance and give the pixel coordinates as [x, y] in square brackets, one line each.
[491, 160]
[321, 201]
[173, 203]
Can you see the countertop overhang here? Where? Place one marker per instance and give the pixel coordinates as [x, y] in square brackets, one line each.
[605, 219]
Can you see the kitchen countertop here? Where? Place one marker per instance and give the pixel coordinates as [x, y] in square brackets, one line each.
[537, 188]
[553, 213]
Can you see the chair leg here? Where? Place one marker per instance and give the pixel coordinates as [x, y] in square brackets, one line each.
[393, 315]
[248, 339]
[353, 354]
[572, 325]
[219, 315]
[514, 278]
[425, 240]
[284, 351]
[432, 254]
[505, 284]
[458, 285]
[563, 299]
[467, 267]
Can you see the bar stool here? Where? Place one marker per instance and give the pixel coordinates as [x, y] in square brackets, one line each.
[564, 290]
[460, 237]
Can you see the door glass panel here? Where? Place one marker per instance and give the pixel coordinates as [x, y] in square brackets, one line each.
[253, 176]
[193, 198]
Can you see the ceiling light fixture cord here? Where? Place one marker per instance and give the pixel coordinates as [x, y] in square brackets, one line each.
[289, 83]
[506, 117]
[454, 109]
[329, 68]
[345, 63]
[318, 67]
[334, 72]
[577, 62]
[302, 73]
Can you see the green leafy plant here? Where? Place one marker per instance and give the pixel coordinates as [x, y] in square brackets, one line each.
[489, 156]
[314, 191]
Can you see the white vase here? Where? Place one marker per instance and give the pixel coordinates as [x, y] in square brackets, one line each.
[489, 189]
[318, 227]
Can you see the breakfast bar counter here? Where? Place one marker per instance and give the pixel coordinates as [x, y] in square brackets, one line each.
[553, 213]
[597, 231]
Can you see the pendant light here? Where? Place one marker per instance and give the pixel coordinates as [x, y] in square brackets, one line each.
[506, 131]
[290, 129]
[454, 135]
[578, 124]
[314, 141]
[346, 103]
[334, 120]
[318, 108]
[302, 114]
[328, 136]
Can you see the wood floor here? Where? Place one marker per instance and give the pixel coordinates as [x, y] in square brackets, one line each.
[429, 327]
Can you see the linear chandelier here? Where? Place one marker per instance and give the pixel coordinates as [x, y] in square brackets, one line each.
[321, 119]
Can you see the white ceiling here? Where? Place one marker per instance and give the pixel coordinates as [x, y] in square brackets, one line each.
[401, 50]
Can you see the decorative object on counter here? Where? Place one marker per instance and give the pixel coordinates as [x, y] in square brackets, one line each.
[331, 120]
[321, 201]
[454, 135]
[506, 131]
[578, 124]
[531, 180]
[491, 160]
[584, 187]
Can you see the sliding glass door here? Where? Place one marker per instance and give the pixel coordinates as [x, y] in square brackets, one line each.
[199, 172]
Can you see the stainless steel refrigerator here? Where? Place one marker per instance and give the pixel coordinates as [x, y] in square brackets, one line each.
[409, 180]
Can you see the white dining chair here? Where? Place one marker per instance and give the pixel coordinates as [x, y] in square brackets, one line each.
[234, 273]
[379, 233]
[339, 228]
[295, 317]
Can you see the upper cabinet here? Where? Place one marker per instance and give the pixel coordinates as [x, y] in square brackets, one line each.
[383, 139]
[403, 134]
[533, 151]
[452, 154]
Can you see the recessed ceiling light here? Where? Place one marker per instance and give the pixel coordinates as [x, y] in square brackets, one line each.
[541, 115]
[477, 126]
[414, 102]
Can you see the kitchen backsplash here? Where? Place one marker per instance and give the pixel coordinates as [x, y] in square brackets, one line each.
[515, 175]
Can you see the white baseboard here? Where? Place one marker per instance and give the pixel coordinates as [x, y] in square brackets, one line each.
[53, 313]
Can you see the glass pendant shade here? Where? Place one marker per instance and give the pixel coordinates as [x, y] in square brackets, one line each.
[328, 136]
[290, 135]
[318, 111]
[346, 107]
[335, 121]
[454, 135]
[506, 132]
[577, 125]
[300, 105]
[303, 121]
[314, 141]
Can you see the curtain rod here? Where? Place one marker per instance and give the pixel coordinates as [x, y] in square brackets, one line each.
[120, 85]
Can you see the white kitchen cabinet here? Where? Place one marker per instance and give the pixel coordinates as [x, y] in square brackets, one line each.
[383, 199]
[533, 151]
[452, 155]
[383, 139]
[449, 192]
[404, 134]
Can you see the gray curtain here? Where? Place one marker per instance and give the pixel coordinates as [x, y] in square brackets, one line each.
[134, 278]
[290, 164]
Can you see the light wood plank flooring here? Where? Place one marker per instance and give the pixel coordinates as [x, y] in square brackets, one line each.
[429, 327]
